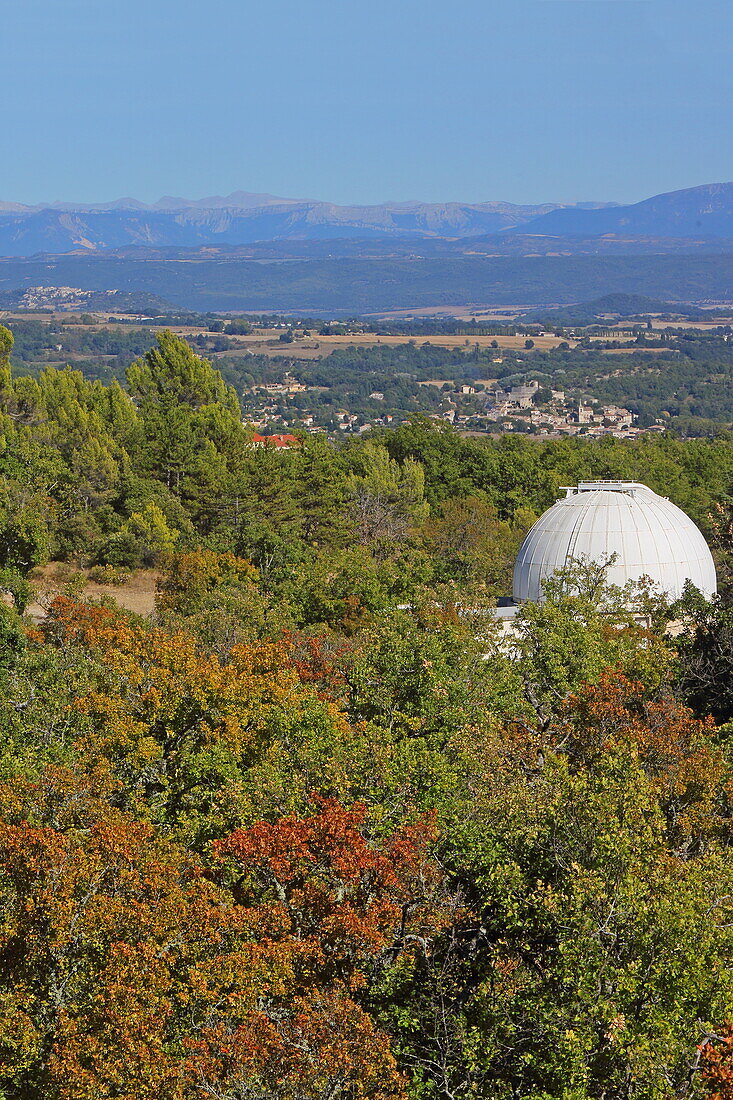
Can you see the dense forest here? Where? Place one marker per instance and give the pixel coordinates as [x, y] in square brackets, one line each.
[406, 277]
[312, 830]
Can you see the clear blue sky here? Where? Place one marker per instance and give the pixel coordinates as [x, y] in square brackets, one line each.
[365, 100]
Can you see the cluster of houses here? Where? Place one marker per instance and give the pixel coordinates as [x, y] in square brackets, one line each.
[524, 408]
[268, 412]
[265, 414]
[521, 407]
[557, 414]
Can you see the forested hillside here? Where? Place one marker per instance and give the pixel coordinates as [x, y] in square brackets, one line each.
[386, 280]
[311, 830]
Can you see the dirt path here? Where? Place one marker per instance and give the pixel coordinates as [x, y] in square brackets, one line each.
[136, 594]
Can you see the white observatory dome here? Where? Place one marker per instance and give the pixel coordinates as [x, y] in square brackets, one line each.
[650, 536]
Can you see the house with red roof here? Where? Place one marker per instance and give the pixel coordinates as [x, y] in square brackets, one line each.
[278, 441]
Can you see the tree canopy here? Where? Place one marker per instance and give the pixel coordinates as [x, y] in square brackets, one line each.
[314, 827]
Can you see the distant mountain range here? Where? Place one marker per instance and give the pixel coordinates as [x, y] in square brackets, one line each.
[244, 218]
[705, 211]
[255, 251]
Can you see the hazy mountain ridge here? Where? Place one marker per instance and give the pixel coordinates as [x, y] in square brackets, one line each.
[239, 219]
[693, 212]
[245, 218]
[238, 200]
[315, 255]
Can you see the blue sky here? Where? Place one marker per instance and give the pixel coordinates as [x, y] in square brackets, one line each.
[365, 100]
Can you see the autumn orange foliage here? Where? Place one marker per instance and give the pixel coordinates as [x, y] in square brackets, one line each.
[319, 661]
[330, 906]
[133, 971]
[677, 750]
[716, 1064]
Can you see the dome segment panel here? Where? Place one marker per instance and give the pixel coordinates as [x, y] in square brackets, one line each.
[650, 536]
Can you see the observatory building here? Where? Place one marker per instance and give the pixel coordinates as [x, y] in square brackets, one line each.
[650, 536]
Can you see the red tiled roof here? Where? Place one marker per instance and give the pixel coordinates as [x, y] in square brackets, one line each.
[276, 440]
